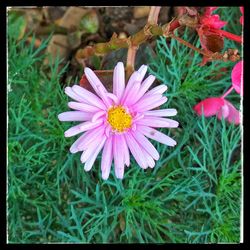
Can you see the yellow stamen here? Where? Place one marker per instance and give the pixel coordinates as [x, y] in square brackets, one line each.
[119, 119]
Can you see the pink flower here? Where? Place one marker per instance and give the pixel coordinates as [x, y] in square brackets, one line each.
[212, 21]
[229, 112]
[242, 17]
[209, 106]
[118, 122]
[208, 10]
[218, 106]
[237, 77]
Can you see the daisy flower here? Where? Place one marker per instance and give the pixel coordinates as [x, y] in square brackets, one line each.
[118, 123]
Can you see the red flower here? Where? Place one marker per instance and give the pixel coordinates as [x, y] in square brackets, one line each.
[229, 112]
[218, 106]
[209, 32]
[237, 77]
[212, 21]
[242, 17]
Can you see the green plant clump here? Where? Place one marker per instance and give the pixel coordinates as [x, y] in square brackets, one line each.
[193, 195]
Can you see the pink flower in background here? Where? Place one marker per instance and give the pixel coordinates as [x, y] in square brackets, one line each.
[118, 122]
[211, 21]
[218, 106]
[237, 77]
[209, 106]
[229, 112]
[242, 17]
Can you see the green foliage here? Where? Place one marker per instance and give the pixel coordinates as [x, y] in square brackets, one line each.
[192, 195]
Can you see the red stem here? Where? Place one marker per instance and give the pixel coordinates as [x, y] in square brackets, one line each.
[227, 92]
[228, 35]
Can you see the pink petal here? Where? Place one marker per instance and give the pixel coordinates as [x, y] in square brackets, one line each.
[158, 89]
[146, 103]
[81, 128]
[210, 106]
[150, 161]
[107, 156]
[242, 17]
[146, 144]
[135, 150]
[209, 10]
[74, 130]
[91, 136]
[133, 78]
[237, 77]
[74, 116]
[118, 158]
[131, 94]
[90, 149]
[74, 147]
[233, 115]
[89, 163]
[83, 107]
[88, 97]
[89, 125]
[98, 115]
[156, 135]
[119, 80]
[125, 150]
[213, 21]
[144, 87]
[94, 81]
[73, 95]
[97, 86]
[142, 70]
[161, 112]
[158, 122]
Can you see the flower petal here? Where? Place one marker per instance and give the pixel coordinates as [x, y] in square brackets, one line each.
[156, 135]
[144, 87]
[125, 150]
[142, 70]
[146, 144]
[158, 122]
[83, 107]
[131, 94]
[133, 78]
[92, 135]
[107, 157]
[158, 90]
[74, 116]
[88, 97]
[90, 149]
[74, 130]
[232, 116]
[135, 150]
[94, 81]
[118, 159]
[209, 106]
[89, 163]
[84, 126]
[237, 77]
[145, 103]
[119, 80]
[161, 112]
[69, 91]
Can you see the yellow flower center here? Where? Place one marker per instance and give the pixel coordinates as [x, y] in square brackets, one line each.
[119, 119]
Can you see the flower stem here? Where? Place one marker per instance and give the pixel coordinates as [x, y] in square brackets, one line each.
[130, 65]
[153, 15]
[141, 37]
[227, 92]
[229, 35]
[189, 45]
